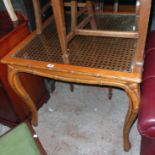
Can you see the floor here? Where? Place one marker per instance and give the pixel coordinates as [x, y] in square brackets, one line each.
[84, 122]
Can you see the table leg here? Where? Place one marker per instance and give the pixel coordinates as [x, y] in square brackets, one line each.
[58, 10]
[134, 97]
[13, 77]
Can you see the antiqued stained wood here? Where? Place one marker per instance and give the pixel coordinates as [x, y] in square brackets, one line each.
[113, 59]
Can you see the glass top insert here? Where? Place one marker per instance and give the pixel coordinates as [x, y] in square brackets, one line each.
[95, 52]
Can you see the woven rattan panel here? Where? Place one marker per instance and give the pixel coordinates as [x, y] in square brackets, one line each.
[95, 52]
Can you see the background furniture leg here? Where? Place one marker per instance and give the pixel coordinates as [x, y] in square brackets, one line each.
[110, 93]
[73, 15]
[11, 12]
[72, 87]
[91, 12]
[58, 10]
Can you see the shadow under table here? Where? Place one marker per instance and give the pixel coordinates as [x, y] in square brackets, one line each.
[92, 60]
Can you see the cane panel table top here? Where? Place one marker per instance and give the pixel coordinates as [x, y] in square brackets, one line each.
[103, 53]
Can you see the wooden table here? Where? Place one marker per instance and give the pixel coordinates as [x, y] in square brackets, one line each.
[92, 60]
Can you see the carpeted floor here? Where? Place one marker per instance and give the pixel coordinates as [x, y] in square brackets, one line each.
[84, 122]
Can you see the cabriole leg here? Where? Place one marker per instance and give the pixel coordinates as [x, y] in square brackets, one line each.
[13, 77]
[134, 96]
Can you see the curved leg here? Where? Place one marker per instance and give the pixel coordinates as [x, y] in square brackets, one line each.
[13, 77]
[134, 95]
